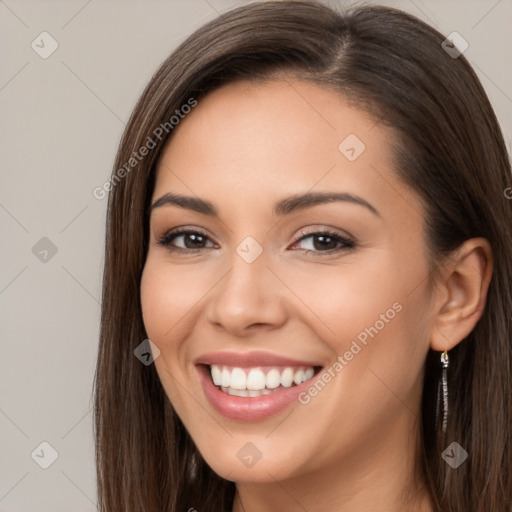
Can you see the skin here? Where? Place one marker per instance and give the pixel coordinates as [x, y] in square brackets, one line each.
[355, 445]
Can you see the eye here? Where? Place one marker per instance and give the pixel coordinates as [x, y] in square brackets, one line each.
[324, 242]
[319, 242]
[185, 240]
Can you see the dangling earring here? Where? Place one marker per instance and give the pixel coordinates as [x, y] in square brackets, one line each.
[442, 391]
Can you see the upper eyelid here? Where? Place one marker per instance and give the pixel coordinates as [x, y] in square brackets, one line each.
[344, 236]
[185, 229]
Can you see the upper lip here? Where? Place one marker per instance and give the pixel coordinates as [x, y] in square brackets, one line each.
[250, 359]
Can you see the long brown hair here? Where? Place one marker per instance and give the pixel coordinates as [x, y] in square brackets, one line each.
[448, 148]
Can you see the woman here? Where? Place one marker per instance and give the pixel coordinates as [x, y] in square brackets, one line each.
[308, 219]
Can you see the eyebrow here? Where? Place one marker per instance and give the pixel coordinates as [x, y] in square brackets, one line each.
[283, 207]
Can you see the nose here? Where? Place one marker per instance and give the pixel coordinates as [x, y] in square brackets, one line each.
[248, 298]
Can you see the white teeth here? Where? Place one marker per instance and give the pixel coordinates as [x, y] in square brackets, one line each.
[287, 377]
[309, 373]
[297, 378]
[273, 379]
[254, 382]
[255, 379]
[225, 378]
[238, 379]
[237, 392]
[216, 375]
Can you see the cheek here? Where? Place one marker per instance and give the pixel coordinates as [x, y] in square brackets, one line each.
[168, 298]
[373, 312]
[344, 299]
[156, 302]
[167, 301]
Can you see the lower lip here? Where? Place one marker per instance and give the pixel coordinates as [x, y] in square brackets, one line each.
[248, 409]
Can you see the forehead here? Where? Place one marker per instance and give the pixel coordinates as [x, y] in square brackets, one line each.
[266, 140]
[288, 119]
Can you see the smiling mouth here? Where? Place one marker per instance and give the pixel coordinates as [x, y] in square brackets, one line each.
[260, 380]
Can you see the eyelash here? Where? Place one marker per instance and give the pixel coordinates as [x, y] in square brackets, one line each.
[167, 238]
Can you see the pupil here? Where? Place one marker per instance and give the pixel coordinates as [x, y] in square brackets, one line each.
[196, 239]
[324, 242]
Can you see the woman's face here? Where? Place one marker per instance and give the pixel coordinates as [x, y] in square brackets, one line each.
[263, 288]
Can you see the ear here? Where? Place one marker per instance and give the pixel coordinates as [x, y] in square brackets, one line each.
[462, 293]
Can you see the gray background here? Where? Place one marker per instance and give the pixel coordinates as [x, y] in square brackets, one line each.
[61, 120]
